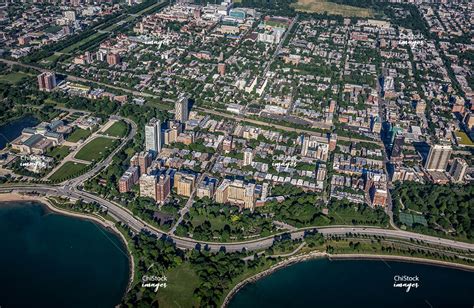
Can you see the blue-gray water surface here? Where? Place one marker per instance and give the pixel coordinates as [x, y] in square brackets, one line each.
[11, 130]
[51, 260]
[358, 283]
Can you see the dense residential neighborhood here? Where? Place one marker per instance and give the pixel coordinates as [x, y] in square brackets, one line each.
[229, 122]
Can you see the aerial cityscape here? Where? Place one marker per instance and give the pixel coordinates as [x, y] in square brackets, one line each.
[242, 153]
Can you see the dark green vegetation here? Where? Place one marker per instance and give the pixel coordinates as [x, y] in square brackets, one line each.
[97, 149]
[204, 277]
[198, 278]
[207, 220]
[91, 37]
[20, 100]
[13, 78]
[448, 210]
[302, 209]
[277, 7]
[59, 152]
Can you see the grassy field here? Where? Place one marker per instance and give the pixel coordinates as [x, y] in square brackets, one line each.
[179, 291]
[51, 58]
[118, 129]
[59, 152]
[52, 29]
[12, 78]
[321, 6]
[96, 149]
[69, 169]
[463, 139]
[78, 134]
[80, 43]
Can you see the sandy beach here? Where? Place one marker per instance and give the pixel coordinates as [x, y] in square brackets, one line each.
[9, 197]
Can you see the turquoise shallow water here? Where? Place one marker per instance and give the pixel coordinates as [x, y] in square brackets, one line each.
[358, 283]
[51, 260]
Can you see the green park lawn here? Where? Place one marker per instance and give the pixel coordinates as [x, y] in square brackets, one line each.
[96, 149]
[59, 152]
[118, 129]
[78, 134]
[12, 78]
[68, 170]
[180, 286]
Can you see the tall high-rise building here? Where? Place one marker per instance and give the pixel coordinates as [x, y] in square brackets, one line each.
[248, 157]
[144, 161]
[181, 109]
[171, 134]
[163, 188]
[184, 183]
[206, 188]
[265, 190]
[305, 146]
[321, 172]
[315, 147]
[148, 186]
[236, 192]
[134, 160]
[70, 15]
[47, 81]
[458, 169]
[113, 59]
[221, 69]
[197, 13]
[128, 179]
[438, 157]
[227, 144]
[153, 140]
[420, 107]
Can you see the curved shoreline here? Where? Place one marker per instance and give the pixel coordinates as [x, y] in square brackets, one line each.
[11, 197]
[317, 255]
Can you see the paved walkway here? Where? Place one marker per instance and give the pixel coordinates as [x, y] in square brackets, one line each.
[71, 156]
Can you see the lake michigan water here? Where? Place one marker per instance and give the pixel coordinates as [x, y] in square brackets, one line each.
[51, 260]
[358, 283]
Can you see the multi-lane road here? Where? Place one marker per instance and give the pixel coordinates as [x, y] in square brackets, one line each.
[206, 110]
[124, 215]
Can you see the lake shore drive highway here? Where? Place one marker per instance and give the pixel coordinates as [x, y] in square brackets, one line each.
[125, 216]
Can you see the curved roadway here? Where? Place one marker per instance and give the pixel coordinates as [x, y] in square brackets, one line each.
[124, 215]
[121, 213]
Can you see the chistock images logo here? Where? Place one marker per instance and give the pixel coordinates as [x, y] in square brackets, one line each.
[406, 282]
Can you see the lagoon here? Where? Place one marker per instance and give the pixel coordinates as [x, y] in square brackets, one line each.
[13, 129]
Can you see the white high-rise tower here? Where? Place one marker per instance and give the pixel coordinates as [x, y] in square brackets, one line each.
[153, 140]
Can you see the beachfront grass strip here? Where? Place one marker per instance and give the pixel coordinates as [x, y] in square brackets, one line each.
[96, 149]
[79, 134]
[59, 152]
[118, 129]
[67, 171]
